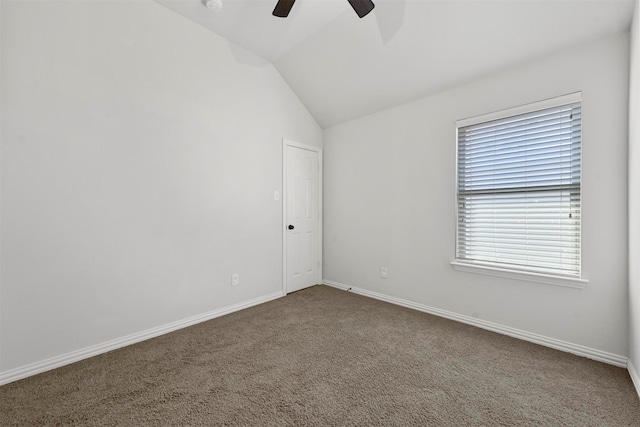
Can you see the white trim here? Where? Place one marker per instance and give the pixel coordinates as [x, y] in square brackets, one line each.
[289, 143]
[521, 109]
[320, 210]
[634, 376]
[569, 282]
[284, 216]
[579, 350]
[94, 350]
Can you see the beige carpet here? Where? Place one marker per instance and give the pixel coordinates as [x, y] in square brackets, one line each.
[327, 357]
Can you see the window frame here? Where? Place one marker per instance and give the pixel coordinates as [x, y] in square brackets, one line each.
[518, 273]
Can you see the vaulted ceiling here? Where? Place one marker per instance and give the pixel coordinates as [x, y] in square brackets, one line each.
[342, 67]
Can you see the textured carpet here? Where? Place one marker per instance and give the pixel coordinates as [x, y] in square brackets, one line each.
[327, 357]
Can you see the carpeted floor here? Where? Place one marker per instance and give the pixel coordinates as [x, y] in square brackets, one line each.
[327, 357]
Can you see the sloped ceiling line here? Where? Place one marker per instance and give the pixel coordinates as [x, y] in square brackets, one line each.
[342, 67]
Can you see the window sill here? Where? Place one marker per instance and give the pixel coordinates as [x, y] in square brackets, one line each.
[548, 279]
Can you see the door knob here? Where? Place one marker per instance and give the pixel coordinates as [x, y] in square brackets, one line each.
[291, 227]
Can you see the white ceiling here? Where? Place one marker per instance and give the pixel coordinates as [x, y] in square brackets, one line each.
[342, 67]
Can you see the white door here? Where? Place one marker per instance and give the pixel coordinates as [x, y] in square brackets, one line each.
[302, 218]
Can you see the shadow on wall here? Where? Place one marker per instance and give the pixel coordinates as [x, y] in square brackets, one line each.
[244, 25]
[390, 17]
[245, 57]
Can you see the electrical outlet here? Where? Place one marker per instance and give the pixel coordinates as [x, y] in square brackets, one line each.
[383, 272]
[235, 279]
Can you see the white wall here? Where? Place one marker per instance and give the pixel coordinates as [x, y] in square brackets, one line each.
[389, 201]
[139, 160]
[634, 198]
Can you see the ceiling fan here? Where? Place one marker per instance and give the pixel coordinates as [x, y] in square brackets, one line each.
[362, 7]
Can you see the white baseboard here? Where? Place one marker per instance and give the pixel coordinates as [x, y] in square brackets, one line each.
[579, 350]
[85, 353]
[634, 376]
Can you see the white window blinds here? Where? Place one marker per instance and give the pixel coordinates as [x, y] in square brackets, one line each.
[518, 190]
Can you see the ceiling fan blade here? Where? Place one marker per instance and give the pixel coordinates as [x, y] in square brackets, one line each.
[362, 7]
[283, 8]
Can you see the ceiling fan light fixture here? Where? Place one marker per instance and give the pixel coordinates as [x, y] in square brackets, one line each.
[214, 6]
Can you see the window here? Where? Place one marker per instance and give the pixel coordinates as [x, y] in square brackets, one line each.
[518, 189]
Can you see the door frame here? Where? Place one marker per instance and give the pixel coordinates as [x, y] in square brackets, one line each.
[289, 143]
